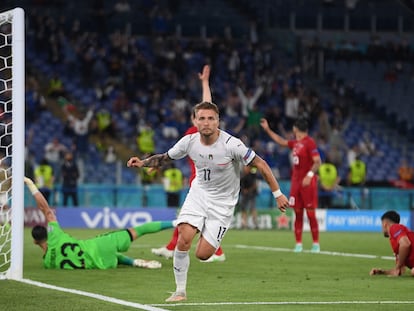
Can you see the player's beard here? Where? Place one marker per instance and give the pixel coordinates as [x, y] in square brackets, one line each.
[207, 132]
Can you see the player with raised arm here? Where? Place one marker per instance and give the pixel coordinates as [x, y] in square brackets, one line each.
[209, 205]
[401, 240]
[167, 251]
[62, 251]
[304, 184]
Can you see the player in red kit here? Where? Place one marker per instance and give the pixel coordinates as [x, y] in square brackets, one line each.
[168, 250]
[304, 185]
[401, 240]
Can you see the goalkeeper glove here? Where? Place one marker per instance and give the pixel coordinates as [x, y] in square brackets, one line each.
[30, 184]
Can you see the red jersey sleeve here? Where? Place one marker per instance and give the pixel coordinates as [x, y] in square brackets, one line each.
[397, 231]
[291, 144]
[191, 130]
[313, 149]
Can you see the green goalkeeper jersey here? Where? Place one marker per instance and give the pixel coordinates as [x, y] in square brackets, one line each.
[66, 252]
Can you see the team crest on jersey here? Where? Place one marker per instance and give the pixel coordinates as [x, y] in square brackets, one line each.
[210, 157]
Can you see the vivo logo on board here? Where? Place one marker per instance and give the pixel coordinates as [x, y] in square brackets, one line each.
[107, 217]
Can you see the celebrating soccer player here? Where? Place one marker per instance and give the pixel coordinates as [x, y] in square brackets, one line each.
[168, 250]
[210, 202]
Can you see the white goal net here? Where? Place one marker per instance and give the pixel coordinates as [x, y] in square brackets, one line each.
[12, 106]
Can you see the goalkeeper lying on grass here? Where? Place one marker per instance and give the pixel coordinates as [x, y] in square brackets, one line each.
[62, 251]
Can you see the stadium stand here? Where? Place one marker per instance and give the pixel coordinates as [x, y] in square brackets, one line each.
[140, 53]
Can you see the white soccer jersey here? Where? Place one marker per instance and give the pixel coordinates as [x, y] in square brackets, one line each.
[217, 166]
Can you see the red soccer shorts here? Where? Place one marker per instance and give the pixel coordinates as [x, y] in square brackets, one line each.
[304, 197]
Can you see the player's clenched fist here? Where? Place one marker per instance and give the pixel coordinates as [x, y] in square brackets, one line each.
[135, 162]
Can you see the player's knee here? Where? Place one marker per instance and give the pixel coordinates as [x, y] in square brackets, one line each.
[204, 250]
[412, 272]
[203, 255]
[184, 244]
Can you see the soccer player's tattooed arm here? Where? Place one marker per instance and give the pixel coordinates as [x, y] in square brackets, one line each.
[156, 160]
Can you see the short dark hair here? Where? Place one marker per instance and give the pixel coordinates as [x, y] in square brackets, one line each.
[391, 215]
[301, 124]
[39, 233]
[206, 106]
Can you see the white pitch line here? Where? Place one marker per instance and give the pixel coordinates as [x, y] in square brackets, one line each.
[154, 307]
[286, 303]
[95, 296]
[278, 249]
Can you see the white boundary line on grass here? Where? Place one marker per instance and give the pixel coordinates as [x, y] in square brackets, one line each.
[154, 307]
[278, 249]
[95, 296]
[286, 303]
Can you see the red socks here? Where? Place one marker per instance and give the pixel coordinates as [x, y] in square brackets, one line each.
[313, 223]
[298, 225]
[219, 251]
[173, 242]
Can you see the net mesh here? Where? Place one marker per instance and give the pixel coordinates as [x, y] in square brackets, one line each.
[5, 139]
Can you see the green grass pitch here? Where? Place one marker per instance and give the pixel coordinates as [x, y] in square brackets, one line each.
[259, 274]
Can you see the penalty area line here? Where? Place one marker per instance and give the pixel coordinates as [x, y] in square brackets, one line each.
[92, 295]
[386, 302]
[278, 249]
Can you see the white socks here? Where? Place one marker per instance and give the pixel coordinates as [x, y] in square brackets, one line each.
[181, 263]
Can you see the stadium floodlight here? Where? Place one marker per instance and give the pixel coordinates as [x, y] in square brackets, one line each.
[12, 129]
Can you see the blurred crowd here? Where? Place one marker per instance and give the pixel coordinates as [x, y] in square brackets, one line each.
[150, 83]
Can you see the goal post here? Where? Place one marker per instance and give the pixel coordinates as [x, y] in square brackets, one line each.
[12, 142]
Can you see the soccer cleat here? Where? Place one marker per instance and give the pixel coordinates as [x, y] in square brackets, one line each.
[163, 252]
[298, 248]
[177, 296]
[315, 248]
[149, 264]
[215, 258]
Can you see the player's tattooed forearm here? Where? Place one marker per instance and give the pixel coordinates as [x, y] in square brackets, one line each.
[157, 160]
